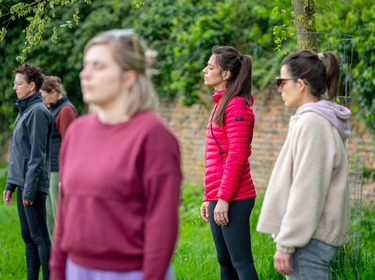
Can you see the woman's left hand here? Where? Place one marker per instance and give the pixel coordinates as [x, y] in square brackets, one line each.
[221, 212]
[281, 262]
[27, 202]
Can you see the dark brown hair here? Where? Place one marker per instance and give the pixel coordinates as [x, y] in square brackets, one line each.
[53, 83]
[32, 74]
[239, 82]
[309, 66]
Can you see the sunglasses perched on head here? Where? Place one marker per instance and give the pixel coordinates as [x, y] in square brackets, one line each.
[280, 81]
[120, 32]
[126, 34]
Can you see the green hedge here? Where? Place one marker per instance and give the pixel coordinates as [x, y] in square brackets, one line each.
[183, 32]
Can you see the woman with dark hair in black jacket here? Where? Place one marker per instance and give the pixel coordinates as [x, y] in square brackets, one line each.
[29, 167]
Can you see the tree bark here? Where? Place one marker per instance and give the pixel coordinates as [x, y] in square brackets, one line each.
[304, 16]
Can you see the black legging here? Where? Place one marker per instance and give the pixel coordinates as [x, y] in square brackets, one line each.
[233, 244]
[35, 235]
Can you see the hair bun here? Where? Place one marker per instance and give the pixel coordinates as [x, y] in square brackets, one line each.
[57, 79]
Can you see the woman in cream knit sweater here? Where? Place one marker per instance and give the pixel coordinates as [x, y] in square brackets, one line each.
[306, 207]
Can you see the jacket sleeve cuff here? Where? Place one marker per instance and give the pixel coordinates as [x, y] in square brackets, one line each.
[10, 187]
[222, 195]
[287, 250]
[28, 194]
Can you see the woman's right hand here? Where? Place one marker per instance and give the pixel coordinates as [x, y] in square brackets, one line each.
[204, 211]
[8, 197]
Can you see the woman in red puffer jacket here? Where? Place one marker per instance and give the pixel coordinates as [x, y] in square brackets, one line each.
[229, 194]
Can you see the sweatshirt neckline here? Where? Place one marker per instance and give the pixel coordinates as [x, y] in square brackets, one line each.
[120, 124]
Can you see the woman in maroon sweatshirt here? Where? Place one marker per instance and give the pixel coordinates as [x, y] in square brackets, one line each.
[120, 174]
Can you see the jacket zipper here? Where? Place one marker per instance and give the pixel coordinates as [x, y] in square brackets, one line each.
[213, 136]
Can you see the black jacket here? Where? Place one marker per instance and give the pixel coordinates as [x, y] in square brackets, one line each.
[56, 137]
[29, 163]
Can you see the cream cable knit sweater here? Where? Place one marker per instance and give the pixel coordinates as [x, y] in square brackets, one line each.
[308, 195]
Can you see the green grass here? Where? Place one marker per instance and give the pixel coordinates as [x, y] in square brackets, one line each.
[195, 256]
[12, 252]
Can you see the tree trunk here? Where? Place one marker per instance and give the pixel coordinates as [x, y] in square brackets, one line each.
[304, 16]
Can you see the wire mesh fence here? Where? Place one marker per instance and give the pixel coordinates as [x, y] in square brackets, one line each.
[340, 44]
[348, 254]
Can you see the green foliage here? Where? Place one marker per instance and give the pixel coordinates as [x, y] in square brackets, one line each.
[284, 28]
[62, 59]
[183, 33]
[368, 174]
[37, 15]
[355, 18]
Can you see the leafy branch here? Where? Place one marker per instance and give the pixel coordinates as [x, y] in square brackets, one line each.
[37, 14]
[284, 28]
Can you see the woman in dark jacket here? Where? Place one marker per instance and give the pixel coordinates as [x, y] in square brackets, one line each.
[29, 167]
[63, 113]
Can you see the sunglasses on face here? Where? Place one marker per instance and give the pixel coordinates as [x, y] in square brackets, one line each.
[280, 81]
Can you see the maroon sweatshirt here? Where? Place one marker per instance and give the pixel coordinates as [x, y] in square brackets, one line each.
[119, 196]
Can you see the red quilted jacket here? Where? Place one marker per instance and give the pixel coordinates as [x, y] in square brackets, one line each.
[227, 169]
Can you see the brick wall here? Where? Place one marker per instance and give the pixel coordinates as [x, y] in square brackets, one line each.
[271, 126]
